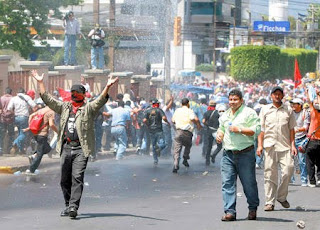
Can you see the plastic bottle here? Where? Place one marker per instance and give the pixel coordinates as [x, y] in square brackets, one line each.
[312, 93]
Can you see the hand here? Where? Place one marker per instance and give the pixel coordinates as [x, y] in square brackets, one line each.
[219, 137]
[294, 151]
[259, 151]
[112, 81]
[35, 75]
[234, 129]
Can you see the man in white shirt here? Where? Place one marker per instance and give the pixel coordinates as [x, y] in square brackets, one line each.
[183, 119]
[21, 105]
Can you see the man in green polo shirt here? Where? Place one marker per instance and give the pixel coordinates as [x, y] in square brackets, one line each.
[238, 126]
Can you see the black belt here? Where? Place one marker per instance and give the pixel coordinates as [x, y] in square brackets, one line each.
[73, 143]
[243, 150]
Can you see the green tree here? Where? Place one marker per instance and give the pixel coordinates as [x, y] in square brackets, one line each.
[18, 16]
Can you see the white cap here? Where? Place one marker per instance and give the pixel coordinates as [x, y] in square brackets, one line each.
[297, 101]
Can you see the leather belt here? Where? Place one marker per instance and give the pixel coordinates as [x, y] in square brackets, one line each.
[73, 143]
[243, 150]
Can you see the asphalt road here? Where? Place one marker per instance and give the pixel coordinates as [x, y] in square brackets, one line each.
[133, 194]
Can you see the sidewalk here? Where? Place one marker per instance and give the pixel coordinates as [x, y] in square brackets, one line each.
[10, 164]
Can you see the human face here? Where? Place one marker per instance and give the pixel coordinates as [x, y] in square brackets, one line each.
[235, 102]
[277, 97]
[76, 96]
[296, 107]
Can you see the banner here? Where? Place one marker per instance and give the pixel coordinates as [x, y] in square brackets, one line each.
[271, 26]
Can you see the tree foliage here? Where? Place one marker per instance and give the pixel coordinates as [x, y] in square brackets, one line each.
[18, 16]
[259, 63]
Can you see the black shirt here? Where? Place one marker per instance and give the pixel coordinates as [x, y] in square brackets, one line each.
[154, 119]
[212, 121]
[70, 131]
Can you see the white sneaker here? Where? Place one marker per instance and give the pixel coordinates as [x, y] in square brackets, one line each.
[304, 185]
[28, 171]
[318, 183]
[312, 185]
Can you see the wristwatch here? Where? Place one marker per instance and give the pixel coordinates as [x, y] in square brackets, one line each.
[240, 130]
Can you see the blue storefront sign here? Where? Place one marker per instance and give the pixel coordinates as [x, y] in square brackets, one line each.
[271, 26]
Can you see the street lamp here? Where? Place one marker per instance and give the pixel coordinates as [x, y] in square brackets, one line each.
[274, 38]
[214, 40]
[249, 26]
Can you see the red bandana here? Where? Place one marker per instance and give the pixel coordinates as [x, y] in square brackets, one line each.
[211, 108]
[155, 105]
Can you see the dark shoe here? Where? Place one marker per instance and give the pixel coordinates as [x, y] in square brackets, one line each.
[73, 212]
[207, 162]
[284, 204]
[213, 160]
[65, 212]
[14, 150]
[252, 215]
[228, 217]
[175, 169]
[185, 163]
[268, 207]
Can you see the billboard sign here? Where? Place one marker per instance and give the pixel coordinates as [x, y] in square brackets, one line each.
[271, 26]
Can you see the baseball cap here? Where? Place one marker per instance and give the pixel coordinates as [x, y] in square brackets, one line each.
[297, 101]
[78, 88]
[274, 89]
[154, 101]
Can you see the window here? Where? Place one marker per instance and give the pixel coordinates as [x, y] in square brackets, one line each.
[205, 8]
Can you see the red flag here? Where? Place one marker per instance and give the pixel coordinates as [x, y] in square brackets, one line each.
[297, 74]
[66, 96]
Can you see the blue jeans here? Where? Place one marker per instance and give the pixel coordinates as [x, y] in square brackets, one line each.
[43, 147]
[120, 135]
[70, 42]
[168, 139]
[242, 165]
[97, 53]
[259, 160]
[21, 122]
[4, 129]
[302, 163]
[158, 144]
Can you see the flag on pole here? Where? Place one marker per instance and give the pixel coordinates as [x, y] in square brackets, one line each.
[297, 74]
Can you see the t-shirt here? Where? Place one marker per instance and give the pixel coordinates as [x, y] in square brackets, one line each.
[20, 106]
[154, 119]
[212, 121]
[315, 122]
[70, 131]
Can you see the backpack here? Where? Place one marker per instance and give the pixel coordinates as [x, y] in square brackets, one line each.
[35, 123]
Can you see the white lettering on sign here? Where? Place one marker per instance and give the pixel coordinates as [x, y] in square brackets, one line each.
[266, 28]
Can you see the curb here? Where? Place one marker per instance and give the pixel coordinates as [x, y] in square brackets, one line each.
[101, 156]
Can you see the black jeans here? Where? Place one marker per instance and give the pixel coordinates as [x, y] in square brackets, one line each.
[313, 159]
[73, 165]
[43, 147]
[4, 129]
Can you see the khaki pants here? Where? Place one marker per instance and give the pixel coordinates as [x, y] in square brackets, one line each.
[273, 158]
[182, 138]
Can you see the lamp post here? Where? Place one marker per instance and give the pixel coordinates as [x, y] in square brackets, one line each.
[249, 26]
[274, 37]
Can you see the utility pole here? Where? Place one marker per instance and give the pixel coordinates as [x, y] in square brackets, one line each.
[167, 67]
[112, 12]
[214, 40]
[96, 10]
[234, 26]
[249, 27]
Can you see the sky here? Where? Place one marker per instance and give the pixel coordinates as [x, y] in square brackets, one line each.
[260, 7]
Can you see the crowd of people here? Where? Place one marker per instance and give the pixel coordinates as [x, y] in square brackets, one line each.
[264, 125]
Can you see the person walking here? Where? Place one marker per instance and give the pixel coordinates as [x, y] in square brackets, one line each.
[72, 29]
[6, 121]
[313, 147]
[211, 124]
[183, 120]
[153, 119]
[237, 127]
[303, 121]
[76, 141]
[97, 35]
[277, 138]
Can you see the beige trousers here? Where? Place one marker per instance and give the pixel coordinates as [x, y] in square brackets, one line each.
[272, 159]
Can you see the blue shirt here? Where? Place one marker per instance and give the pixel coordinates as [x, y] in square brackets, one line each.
[120, 116]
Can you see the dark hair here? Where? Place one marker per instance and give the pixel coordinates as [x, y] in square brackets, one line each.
[184, 101]
[120, 96]
[128, 103]
[120, 104]
[203, 101]
[21, 90]
[236, 92]
[8, 90]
